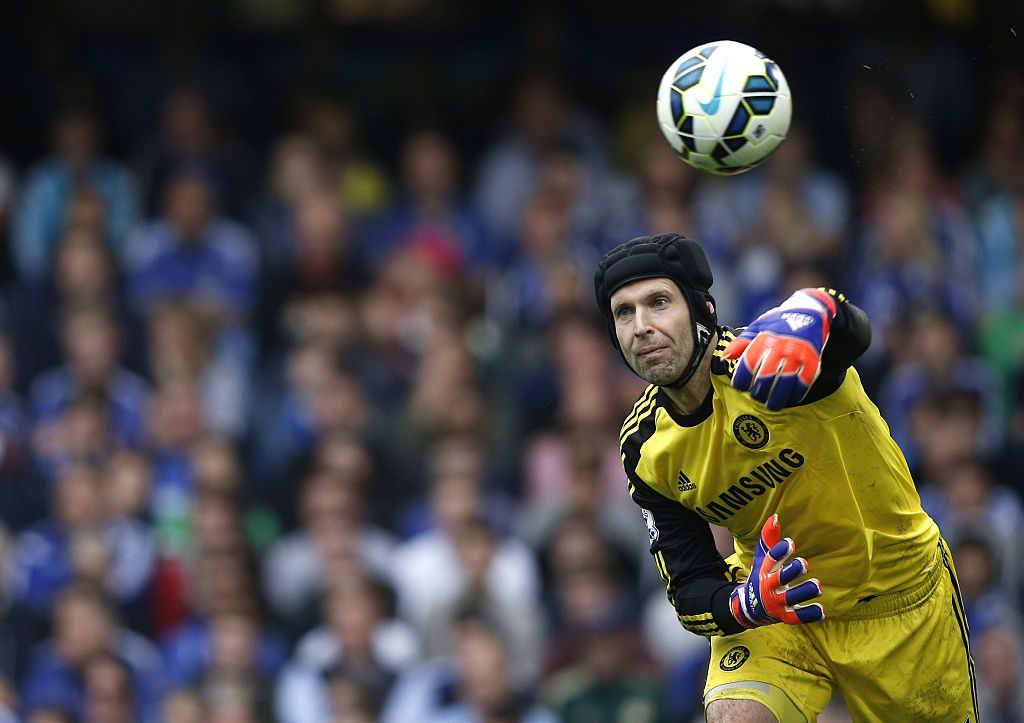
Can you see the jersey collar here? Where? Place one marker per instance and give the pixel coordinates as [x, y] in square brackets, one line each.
[687, 420]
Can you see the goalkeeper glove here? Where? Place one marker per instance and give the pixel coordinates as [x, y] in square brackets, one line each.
[766, 597]
[780, 352]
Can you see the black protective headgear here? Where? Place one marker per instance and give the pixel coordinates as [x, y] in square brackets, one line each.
[670, 256]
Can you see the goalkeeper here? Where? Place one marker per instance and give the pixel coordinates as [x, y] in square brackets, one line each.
[769, 432]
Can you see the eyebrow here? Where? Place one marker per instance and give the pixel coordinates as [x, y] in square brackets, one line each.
[662, 290]
[655, 291]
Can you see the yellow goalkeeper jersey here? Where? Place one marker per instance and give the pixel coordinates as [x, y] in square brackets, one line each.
[829, 468]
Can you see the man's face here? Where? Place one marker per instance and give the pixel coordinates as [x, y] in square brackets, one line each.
[652, 324]
[189, 206]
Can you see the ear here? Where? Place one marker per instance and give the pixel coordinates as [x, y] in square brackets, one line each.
[711, 307]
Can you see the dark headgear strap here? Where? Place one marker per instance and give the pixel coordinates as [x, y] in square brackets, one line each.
[663, 256]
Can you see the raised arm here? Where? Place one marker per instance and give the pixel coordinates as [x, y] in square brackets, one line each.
[799, 351]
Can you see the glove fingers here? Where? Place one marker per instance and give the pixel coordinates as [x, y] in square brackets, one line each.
[735, 348]
[782, 392]
[748, 364]
[771, 533]
[767, 374]
[781, 550]
[772, 358]
[803, 592]
[742, 376]
[792, 570]
[809, 371]
[808, 613]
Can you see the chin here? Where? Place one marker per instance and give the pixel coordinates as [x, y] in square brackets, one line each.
[659, 375]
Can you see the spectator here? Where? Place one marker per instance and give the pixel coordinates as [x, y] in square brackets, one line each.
[175, 422]
[182, 345]
[360, 641]
[235, 679]
[967, 497]
[789, 211]
[446, 398]
[586, 498]
[225, 615]
[83, 273]
[182, 706]
[189, 136]
[128, 485]
[333, 123]
[1000, 671]
[543, 120]
[85, 626]
[587, 580]
[987, 599]
[75, 173]
[918, 249]
[431, 203]
[322, 396]
[997, 165]
[354, 697]
[936, 362]
[296, 170]
[192, 253]
[335, 537]
[1000, 263]
[476, 547]
[90, 338]
[548, 276]
[456, 559]
[82, 539]
[606, 684]
[476, 684]
[318, 271]
[109, 691]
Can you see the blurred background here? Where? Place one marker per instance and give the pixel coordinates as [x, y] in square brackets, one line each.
[306, 411]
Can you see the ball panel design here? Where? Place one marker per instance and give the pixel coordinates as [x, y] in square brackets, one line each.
[761, 104]
[757, 83]
[724, 107]
[688, 80]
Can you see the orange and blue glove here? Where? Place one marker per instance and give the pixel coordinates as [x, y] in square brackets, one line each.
[766, 596]
[780, 352]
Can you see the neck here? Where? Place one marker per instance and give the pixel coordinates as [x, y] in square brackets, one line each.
[688, 398]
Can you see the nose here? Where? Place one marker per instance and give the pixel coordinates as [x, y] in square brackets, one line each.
[641, 323]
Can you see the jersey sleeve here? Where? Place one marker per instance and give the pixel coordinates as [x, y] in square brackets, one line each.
[849, 338]
[697, 579]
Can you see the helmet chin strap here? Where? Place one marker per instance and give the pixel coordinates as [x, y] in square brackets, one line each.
[701, 339]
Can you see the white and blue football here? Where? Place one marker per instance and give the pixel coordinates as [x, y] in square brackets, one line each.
[724, 107]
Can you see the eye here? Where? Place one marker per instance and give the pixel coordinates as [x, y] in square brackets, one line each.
[622, 312]
[661, 302]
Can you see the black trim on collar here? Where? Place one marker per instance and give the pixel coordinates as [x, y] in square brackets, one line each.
[687, 420]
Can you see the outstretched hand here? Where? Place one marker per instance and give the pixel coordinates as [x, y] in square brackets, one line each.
[766, 597]
[780, 352]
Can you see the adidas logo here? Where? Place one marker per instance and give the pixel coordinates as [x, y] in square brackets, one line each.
[797, 321]
[684, 484]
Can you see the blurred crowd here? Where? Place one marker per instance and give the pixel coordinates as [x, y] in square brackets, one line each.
[292, 430]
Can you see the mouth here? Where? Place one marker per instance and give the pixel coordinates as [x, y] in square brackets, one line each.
[650, 352]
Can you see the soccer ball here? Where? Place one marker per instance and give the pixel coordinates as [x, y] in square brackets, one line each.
[724, 107]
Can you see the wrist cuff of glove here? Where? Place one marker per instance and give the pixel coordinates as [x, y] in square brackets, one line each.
[811, 298]
[738, 607]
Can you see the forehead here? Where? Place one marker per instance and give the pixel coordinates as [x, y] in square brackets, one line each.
[644, 287]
